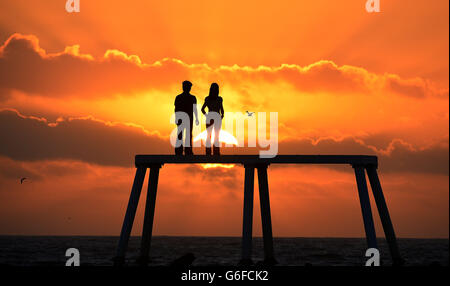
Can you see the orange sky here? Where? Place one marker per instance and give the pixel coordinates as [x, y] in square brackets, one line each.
[80, 94]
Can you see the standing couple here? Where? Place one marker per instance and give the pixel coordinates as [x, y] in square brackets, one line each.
[187, 103]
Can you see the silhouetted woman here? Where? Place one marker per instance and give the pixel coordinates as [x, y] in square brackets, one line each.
[213, 118]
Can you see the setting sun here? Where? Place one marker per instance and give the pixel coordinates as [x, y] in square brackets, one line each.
[224, 137]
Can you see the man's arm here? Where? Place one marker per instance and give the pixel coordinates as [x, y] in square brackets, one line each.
[177, 121]
[176, 103]
[195, 111]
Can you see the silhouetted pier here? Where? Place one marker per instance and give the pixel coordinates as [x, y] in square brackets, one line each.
[360, 163]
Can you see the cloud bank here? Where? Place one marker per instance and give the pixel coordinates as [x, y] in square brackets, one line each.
[26, 67]
[94, 141]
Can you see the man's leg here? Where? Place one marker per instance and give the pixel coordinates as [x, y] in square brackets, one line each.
[188, 140]
[179, 144]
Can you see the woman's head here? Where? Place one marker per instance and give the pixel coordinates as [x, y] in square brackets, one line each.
[214, 90]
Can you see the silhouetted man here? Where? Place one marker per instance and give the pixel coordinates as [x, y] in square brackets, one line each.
[186, 103]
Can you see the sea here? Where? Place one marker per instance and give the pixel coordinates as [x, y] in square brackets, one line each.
[215, 251]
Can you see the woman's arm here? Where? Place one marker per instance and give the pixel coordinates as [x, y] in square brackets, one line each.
[222, 112]
[203, 107]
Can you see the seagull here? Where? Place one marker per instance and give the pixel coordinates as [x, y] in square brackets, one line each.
[249, 113]
[22, 180]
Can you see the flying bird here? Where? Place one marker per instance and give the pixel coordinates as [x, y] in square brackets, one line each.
[22, 180]
[249, 113]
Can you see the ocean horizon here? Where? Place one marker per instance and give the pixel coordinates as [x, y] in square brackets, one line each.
[37, 250]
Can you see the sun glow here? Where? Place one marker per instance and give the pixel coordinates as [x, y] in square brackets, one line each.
[210, 165]
[224, 137]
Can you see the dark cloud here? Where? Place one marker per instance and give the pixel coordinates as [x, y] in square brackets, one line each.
[89, 140]
[218, 176]
[397, 157]
[86, 139]
[434, 159]
[37, 171]
[417, 88]
[15, 170]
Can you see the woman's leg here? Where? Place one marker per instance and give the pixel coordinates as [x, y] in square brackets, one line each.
[209, 127]
[217, 127]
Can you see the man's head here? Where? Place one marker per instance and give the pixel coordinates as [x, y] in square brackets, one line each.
[187, 86]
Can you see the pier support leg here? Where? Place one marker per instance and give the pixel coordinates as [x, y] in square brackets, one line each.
[129, 216]
[365, 206]
[384, 215]
[149, 215]
[265, 214]
[249, 183]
